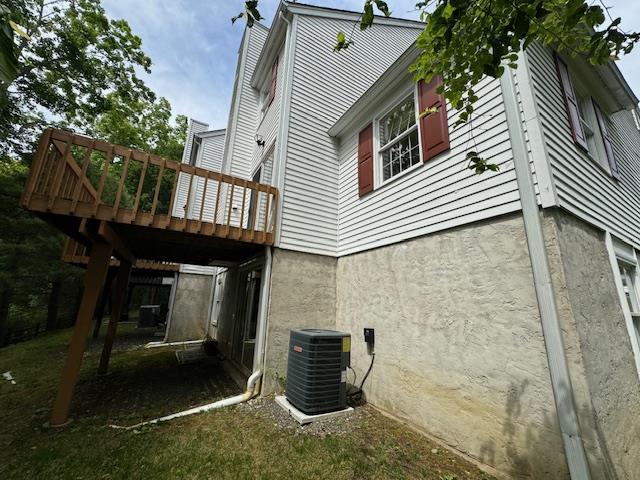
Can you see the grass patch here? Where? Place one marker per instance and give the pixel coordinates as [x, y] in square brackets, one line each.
[232, 443]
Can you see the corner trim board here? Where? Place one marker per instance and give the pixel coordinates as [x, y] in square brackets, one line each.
[282, 141]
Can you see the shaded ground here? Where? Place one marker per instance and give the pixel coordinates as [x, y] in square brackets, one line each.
[129, 337]
[254, 440]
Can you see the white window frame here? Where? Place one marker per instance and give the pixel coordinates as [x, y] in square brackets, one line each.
[620, 252]
[584, 97]
[388, 107]
[264, 107]
[194, 160]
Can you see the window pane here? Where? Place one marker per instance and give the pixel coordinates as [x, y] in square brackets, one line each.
[627, 275]
[400, 155]
[397, 121]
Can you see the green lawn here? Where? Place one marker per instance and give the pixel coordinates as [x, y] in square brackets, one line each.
[232, 443]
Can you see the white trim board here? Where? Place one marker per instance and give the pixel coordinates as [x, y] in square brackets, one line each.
[610, 241]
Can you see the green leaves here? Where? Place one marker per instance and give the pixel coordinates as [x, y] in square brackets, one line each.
[479, 164]
[341, 42]
[368, 15]
[467, 40]
[75, 57]
[9, 64]
[251, 13]
[8, 60]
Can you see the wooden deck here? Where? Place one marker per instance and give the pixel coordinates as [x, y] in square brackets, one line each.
[147, 212]
[159, 210]
[77, 254]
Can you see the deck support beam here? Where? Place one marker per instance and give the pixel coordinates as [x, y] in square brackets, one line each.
[118, 300]
[93, 281]
[102, 303]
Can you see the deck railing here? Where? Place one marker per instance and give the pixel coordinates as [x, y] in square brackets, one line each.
[88, 178]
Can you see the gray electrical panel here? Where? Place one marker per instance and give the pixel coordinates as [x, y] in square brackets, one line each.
[317, 370]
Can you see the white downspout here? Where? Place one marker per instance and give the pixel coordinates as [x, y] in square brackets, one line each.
[253, 388]
[263, 309]
[560, 379]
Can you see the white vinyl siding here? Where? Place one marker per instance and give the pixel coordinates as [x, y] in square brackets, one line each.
[440, 194]
[211, 159]
[268, 126]
[242, 127]
[325, 84]
[582, 186]
[183, 180]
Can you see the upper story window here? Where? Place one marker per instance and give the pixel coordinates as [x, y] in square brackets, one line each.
[590, 127]
[588, 121]
[399, 147]
[195, 149]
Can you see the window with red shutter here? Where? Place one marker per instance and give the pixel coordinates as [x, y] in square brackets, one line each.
[434, 126]
[274, 81]
[365, 160]
[571, 103]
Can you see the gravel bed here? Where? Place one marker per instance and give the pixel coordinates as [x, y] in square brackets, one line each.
[267, 407]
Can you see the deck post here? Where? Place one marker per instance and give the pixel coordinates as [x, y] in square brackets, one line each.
[93, 280]
[102, 303]
[119, 296]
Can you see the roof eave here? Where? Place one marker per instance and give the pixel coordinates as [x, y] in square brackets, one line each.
[269, 50]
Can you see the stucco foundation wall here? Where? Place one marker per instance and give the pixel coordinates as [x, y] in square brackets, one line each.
[190, 313]
[302, 295]
[605, 382]
[459, 347]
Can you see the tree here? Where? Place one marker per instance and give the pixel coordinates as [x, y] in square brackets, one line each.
[142, 124]
[146, 126]
[64, 63]
[30, 266]
[465, 40]
[71, 57]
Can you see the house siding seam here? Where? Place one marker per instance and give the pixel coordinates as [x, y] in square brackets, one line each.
[440, 194]
[309, 220]
[584, 188]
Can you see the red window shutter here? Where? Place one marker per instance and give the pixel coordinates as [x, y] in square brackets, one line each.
[608, 145]
[365, 160]
[571, 103]
[274, 80]
[434, 127]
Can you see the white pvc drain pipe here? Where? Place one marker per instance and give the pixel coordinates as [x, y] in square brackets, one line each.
[249, 393]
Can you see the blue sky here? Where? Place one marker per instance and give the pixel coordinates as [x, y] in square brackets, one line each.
[193, 46]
